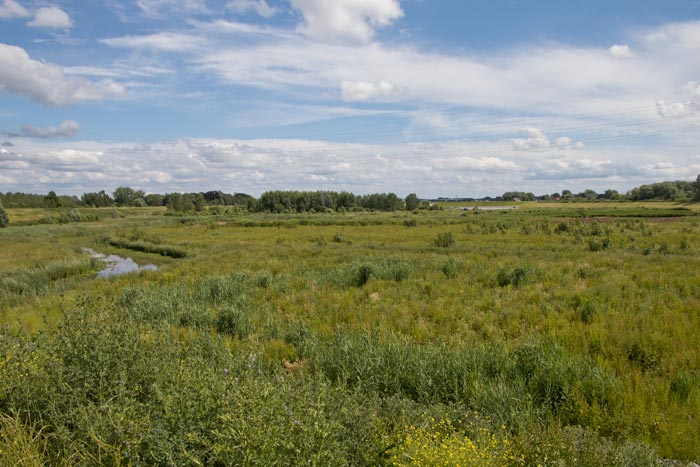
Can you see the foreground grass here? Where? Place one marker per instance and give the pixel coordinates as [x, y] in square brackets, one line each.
[355, 339]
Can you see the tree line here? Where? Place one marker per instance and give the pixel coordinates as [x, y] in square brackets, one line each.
[124, 196]
[279, 201]
[321, 201]
[679, 190]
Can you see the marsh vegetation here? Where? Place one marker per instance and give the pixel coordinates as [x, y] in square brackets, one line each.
[548, 336]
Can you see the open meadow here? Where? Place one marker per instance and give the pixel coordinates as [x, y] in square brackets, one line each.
[549, 335]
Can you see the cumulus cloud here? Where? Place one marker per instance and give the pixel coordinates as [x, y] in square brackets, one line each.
[46, 83]
[51, 17]
[692, 87]
[539, 141]
[674, 110]
[486, 164]
[261, 7]
[446, 168]
[67, 129]
[354, 91]
[12, 9]
[347, 19]
[164, 41]
[559, 169]
[621, 51]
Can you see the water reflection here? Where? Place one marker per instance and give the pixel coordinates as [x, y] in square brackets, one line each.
[116, 265]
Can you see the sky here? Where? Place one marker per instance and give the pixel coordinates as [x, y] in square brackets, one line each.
[453, 98]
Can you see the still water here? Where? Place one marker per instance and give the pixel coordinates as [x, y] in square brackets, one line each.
[116, 265]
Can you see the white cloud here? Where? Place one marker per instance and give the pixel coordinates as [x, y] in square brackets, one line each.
[346, 19]
[486, 164]
[447, 168]
[568, 80]
[46, 83]
[693, 88]
[676, 109]
[539, 141]
[51, 17]
[164, 41]
[261, 7]
[157, 7]
[67, 129]
[621, 51]
[12, 9]
[353, 91]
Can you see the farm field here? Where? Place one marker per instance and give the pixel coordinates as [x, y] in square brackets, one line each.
[550, 335]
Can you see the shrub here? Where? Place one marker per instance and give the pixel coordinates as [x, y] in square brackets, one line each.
[449, 268]
[599, 245]
[4, 218]
[517, 276]
[232, 321]
[363, 275]
[444, 240]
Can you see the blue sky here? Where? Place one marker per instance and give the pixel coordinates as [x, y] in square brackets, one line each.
[441, 98]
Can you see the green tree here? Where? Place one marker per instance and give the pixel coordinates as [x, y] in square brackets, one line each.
[412, 202]
[199, 202]
[97, 200]
[51, 200]
[4, 218]
[696, 189]
[154, 199]
[126, 196]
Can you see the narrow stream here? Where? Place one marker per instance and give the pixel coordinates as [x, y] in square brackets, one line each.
[116, 265]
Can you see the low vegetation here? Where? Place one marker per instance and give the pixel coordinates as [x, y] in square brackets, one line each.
[551, 336]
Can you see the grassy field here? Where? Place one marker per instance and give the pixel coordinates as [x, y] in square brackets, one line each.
[551, 335]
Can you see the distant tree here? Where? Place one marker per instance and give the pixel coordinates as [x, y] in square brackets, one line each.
[240, 199]
[590, 194]
[680, 190]
[519, 195]
[126, 196]
[611, 195]
[97, 200]
[154, 199]
[412, 202]
[199, 202]
[252, 204]
[696, 189]
[4, 218]
[51, 200]
[180, 202]
[566, 194]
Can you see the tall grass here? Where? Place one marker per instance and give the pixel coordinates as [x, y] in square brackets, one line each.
[340, 339]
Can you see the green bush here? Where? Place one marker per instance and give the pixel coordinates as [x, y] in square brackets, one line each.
[516, 276]
[233, 321]
[4, 218]
[444, 240]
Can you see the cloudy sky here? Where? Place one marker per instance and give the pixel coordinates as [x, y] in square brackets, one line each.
[437, 97]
